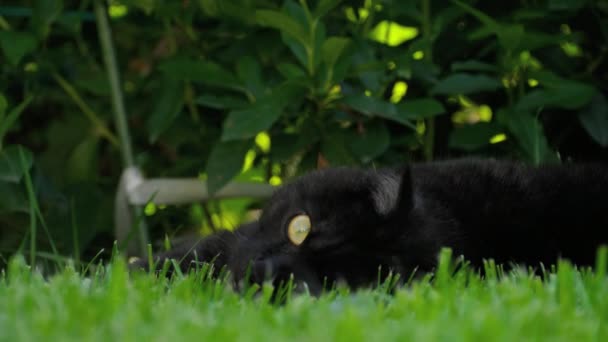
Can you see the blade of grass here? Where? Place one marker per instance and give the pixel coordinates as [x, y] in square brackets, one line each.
[151, 264]
[32, 200]
[93, 260]
[7, 122]
[34, 206]
[74, 232]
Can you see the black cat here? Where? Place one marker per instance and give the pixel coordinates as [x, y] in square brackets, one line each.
[343, 224]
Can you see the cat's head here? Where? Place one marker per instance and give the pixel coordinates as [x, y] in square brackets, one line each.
[333, 224]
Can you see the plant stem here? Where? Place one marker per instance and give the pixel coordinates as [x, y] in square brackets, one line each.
[120, 116]
[86, 110]
[109, 58]
[429, 137]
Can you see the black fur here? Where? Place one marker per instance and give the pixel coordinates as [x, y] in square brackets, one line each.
[399, 220]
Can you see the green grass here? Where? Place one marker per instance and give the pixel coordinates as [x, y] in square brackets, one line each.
[113, 305]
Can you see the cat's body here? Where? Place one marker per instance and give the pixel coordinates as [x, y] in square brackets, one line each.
[399, 220]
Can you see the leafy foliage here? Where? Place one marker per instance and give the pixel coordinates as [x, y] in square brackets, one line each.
[262, 90]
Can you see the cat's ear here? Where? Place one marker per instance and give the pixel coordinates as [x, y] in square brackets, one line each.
[393, 193]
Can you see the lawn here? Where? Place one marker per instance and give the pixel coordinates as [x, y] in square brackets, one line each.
[113, 305]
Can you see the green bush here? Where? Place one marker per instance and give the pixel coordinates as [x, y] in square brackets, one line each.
[264, 90]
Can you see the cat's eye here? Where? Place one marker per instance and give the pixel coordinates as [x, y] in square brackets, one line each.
[298, 229]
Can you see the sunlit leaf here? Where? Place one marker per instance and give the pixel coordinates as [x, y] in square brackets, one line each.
[392, 33]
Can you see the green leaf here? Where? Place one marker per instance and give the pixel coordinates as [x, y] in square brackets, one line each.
[298, 50]
[44, 14]
[96, 84]
[166, 109]
[285, 146]
[3, 106]
[571, 95]
[82, 163]
[250, 74]
[16, 201]
[420, 108]
[324, 6]
[225, 162]
[371, 142]
[204, 72]
[466, 84]
[16, 45]
[529, 133]
[334, 148]
[333, 48]
[284, 23]
[473, 65]
[472, 137]
[557, 92]
[221, 102]
[373, 107]
[509, 35]
[11, 169]
[565, 5]
[210, 7]
[482, 17]
[246, 123]
[594, 119]
[7, 122]
[392, 34]
[291, 71]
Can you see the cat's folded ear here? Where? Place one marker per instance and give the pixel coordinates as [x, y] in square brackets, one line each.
[392, 193]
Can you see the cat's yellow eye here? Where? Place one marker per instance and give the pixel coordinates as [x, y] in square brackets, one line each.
[298, 229]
